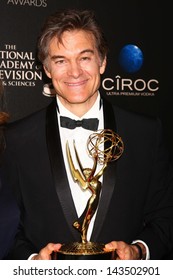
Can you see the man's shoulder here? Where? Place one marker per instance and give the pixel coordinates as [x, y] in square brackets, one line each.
[32, 120]
[131, 119]
[124, 112]
[27, 127]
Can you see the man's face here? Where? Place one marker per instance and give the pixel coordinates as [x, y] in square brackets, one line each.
[75, 67]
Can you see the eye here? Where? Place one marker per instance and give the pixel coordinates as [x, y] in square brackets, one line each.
[60, 61]
[86, 58]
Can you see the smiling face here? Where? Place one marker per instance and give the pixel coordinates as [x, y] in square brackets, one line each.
[75, 68]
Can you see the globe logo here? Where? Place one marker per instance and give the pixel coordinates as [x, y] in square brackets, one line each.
[131, 58]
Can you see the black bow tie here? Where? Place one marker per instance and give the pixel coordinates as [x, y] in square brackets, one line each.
[90, 124]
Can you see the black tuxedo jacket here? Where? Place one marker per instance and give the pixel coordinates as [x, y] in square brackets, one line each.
[137, 191]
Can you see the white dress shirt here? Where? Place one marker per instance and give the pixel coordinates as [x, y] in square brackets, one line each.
[80, 136]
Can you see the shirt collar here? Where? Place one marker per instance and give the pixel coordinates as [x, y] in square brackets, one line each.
[92, 113]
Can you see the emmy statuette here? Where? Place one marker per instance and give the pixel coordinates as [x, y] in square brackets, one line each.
[103, 146]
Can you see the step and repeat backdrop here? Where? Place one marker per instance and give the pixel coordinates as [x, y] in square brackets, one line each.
[134, 78]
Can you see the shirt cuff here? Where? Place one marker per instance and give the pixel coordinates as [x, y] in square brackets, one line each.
[30, 257]
[147, 249]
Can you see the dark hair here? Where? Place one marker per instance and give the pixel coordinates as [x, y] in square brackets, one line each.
[68, 20]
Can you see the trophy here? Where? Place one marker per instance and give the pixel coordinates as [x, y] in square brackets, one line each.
[103, 146]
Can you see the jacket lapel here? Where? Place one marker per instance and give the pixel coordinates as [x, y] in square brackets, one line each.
[108, 176]
[58, 168]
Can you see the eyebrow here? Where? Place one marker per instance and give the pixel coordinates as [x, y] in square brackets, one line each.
[82, 52]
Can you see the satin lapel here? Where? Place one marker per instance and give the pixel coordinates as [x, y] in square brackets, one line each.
[108, 176]
[58, 168]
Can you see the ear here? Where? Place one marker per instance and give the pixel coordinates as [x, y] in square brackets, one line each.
[103, 65]
[47, 71]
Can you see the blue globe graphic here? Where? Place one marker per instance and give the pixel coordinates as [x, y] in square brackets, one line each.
[131, 58]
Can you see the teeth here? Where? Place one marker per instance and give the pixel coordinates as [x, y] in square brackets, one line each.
[74, 84]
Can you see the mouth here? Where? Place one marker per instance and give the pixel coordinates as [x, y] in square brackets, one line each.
[76, 84]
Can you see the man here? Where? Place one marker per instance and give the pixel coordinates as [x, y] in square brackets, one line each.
[136, 201]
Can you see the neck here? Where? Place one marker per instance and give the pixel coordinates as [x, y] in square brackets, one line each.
[79, 109]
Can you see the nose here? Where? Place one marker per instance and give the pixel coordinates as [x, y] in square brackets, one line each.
[74, 69]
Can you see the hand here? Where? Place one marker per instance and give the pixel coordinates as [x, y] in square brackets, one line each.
[45, 253]
[125, 251]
